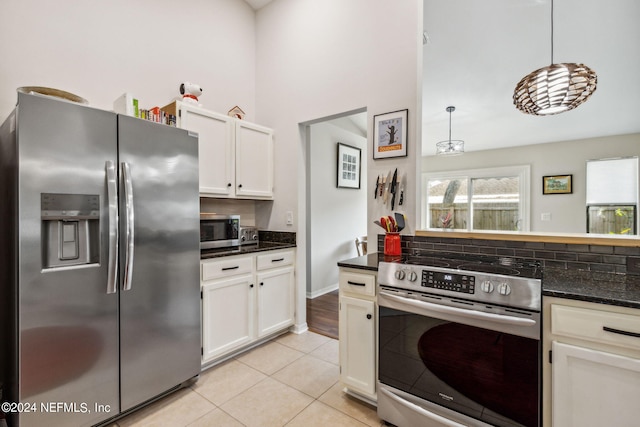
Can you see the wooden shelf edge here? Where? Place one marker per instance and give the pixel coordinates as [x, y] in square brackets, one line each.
[572, 239]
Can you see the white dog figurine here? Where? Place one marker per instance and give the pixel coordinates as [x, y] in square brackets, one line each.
[190, 92]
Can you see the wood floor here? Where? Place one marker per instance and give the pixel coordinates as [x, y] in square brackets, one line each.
[322, 314]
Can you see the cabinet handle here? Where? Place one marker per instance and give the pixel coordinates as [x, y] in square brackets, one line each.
[251, 285]
[621, 332]
[277, 260]
[368, 316]
[261, 283]
[230, 268]
[229, 185]
[239, 185]
[356, 283]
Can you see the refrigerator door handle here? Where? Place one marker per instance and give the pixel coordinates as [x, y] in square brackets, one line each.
[128, 202]
[112, 199]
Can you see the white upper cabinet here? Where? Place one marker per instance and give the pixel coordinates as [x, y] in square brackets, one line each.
[235, 156]
[254, 161]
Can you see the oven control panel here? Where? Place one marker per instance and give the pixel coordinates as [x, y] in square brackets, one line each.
[463, 283]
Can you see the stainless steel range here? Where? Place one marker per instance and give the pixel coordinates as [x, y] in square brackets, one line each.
[459, 341]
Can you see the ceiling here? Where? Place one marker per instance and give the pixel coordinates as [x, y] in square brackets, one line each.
[258, 4]
[477, 51]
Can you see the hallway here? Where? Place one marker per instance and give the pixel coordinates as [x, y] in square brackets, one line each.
[322, 314]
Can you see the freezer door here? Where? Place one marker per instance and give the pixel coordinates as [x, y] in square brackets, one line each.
[67, 355]
[160, 259]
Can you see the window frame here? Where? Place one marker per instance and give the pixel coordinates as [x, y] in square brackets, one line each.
[523, 172]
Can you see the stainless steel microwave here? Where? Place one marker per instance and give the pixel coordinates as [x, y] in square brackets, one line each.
[219, 231]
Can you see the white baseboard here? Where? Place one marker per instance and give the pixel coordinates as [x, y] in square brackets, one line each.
[326, 290]
[299, 329]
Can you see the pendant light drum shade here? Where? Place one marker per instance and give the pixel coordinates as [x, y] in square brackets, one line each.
[555, 89]
[451, 147]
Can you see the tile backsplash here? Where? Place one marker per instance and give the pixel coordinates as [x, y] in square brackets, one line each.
[595, 258]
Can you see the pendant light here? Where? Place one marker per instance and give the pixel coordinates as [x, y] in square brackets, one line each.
[556, 88]
[450, 147]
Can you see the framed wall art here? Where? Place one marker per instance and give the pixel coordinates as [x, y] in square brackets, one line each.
[348, 166]
[557, 184]
[390, 135]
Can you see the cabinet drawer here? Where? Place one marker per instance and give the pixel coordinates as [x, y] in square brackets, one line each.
[358, 283]
[274, 259]
[226, 267]
[618, 329]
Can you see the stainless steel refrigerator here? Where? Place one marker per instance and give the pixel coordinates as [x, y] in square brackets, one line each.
[99, 256]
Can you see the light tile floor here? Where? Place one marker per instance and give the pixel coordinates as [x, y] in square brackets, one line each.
[289, 381]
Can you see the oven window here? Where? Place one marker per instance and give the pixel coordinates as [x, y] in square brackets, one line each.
[488, 375]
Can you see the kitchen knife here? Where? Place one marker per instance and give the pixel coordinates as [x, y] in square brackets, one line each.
[382, 182]
[402, 183]
[393, 188]
[375, 193]
[387, 188]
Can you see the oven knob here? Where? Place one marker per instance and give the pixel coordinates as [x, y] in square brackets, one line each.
[413, 276]
[487, 286]
[504, 289]
[400, 274]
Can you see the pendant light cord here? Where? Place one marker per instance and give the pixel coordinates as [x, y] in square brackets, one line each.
[552, 32]
[450, 145]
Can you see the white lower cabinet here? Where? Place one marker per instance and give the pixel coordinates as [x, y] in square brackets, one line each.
[245, 298]
[275, 300]
[357, 328]
[357, 339]
[227, 312]
[594, 388]
[592, 375]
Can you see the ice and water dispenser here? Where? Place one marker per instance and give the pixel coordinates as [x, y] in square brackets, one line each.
[70, 229]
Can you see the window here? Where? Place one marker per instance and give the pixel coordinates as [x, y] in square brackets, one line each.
[482, 199]
[612, 196]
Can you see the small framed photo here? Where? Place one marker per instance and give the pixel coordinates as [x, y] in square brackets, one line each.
[557, 184]
[348, 166]
[390, 135]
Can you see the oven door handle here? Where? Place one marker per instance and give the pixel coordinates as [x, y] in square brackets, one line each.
[473, 314]
[433, 416]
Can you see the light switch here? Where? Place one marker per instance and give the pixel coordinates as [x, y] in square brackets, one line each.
[289, 218]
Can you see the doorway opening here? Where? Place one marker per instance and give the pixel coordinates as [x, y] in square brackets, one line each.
[335, 213]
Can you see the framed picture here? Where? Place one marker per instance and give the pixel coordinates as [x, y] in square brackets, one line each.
[557, 184]
[348, 166]
[390, 135]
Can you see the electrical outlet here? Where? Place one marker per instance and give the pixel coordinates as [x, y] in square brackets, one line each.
[546, 216]
[289, 218]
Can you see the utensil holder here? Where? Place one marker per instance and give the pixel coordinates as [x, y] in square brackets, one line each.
[392, 244]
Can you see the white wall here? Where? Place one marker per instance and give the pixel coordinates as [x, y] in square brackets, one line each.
[293, 62]
[338, 215]
[321, 58]
[101, 49]
[568, 211]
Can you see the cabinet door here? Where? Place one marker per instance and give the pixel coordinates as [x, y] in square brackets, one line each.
[215, 144]
[358, 344]
[594, 388]
[275, 300]
[254, 161]
[227, 315]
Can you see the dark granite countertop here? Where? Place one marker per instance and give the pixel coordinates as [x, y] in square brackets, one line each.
[365, 262]
[591, 286]
[245, 249]
[602, 288]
